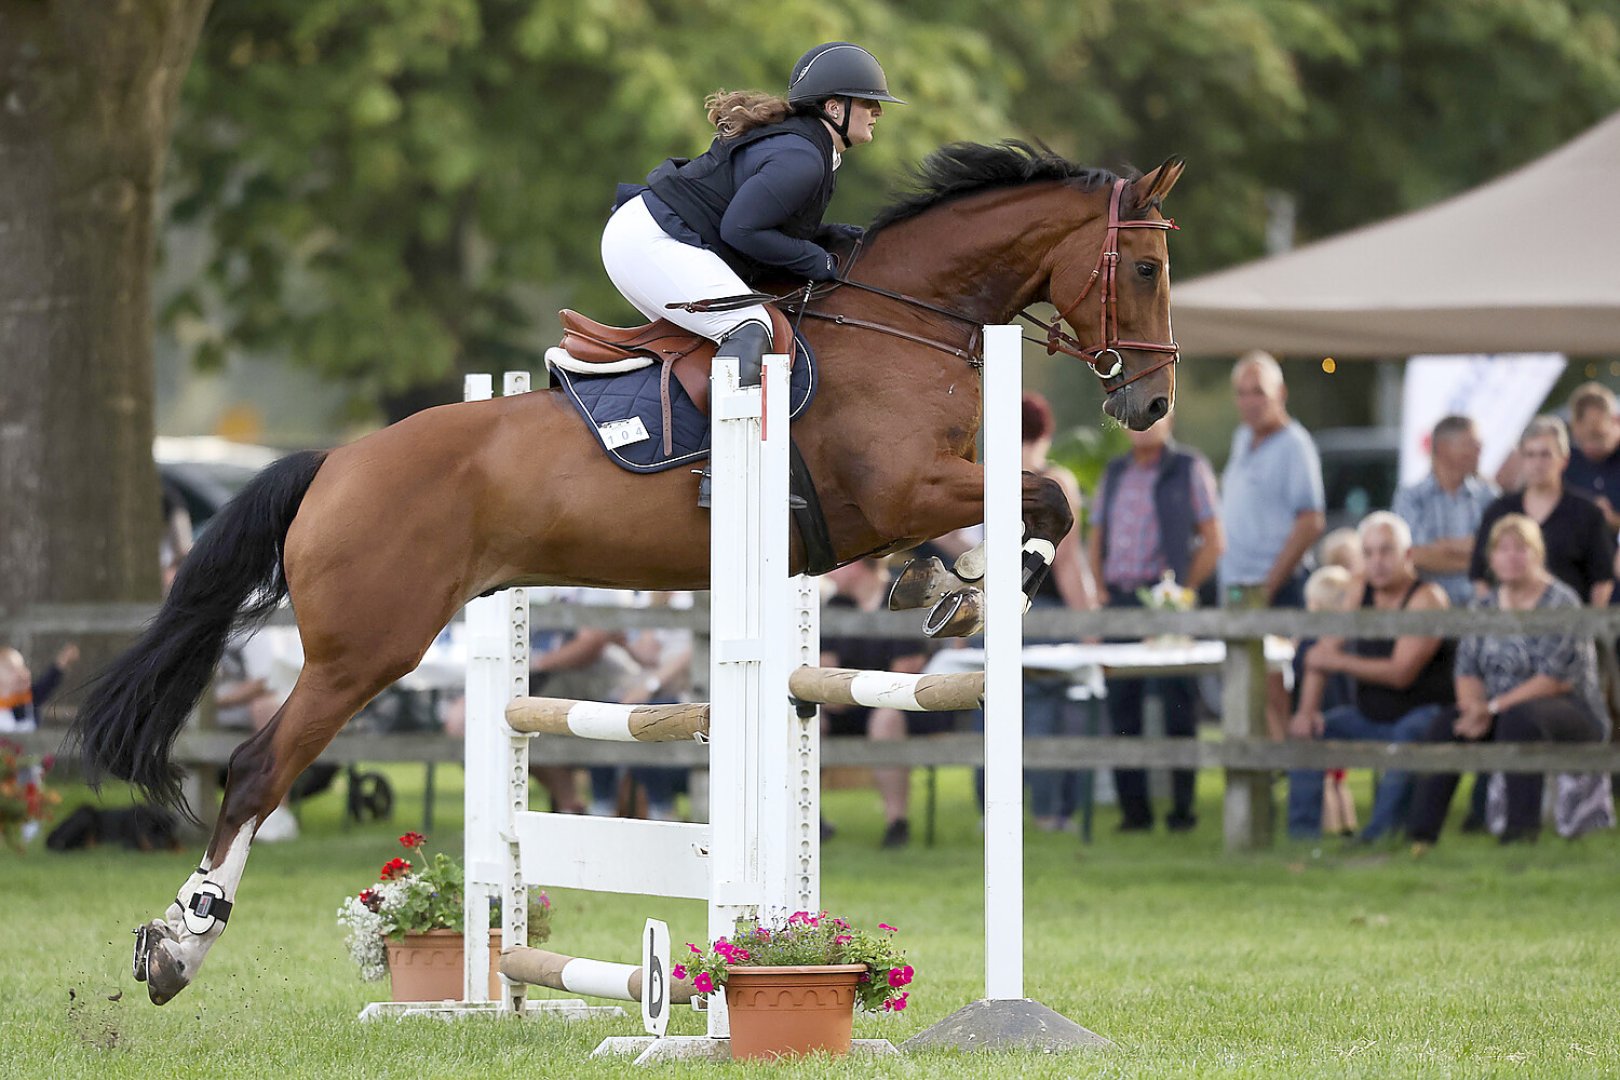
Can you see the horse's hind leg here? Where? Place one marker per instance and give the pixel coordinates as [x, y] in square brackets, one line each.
[170, 951]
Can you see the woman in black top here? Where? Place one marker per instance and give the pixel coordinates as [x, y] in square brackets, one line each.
[1579, 546]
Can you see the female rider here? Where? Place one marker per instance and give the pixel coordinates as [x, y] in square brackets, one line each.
[751, 206]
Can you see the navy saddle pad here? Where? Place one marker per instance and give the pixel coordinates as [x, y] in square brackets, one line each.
[626, 412]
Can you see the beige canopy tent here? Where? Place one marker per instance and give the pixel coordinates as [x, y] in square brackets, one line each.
[1530, 262]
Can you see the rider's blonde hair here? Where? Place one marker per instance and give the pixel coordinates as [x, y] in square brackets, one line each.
[733, 112]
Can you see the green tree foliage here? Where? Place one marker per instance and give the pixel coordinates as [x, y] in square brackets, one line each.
[398, 189]
[387, 183]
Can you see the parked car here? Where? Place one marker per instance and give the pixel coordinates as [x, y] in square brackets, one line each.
[1360, 469]
[206, 471]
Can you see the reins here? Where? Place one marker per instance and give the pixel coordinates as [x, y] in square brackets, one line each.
[1057, 340]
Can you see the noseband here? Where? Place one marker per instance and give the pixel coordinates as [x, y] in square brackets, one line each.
[1106, 271]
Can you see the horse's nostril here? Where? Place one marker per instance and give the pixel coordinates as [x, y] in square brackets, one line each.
[1157, 408]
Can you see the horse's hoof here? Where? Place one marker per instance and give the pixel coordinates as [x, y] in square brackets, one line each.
[920, 584]
[971, 564]
[961, 614]
[155, 965]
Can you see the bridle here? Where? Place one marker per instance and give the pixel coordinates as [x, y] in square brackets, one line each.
[1057, 340]
[1106, 271]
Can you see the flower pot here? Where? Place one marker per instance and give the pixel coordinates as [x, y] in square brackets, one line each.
[426, 966]
[791, 1010]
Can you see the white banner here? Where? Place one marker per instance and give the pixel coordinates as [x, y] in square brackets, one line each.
[1501, 393]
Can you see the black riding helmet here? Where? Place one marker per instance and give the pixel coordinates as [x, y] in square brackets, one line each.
[837, 69]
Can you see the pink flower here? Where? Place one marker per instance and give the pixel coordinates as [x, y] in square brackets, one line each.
[886, 926]
[900, 976]
[704, 983]
[679, 971]
[896, 1004]
[841, 924]
[799, 917]
[694, 948]
[842, 939]
[740, 954]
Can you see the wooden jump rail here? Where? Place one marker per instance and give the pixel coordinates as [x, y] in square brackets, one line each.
[605, 722]
[888, 689]
[577, 975]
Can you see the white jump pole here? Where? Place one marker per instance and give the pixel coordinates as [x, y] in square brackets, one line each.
[1003, 673]
[1004, 1019]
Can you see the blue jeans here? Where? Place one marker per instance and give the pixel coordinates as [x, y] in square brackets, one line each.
[1047, 711]
[1394, 791]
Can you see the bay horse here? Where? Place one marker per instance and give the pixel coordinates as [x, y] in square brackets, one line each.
[378, 543]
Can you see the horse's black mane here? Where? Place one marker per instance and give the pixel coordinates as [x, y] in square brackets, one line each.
[960, 169]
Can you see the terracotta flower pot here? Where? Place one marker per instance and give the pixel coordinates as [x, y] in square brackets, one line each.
[426, 966]
[791, 1010]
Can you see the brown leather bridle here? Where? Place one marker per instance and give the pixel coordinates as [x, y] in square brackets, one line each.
[1057, 341]
[1106, 271]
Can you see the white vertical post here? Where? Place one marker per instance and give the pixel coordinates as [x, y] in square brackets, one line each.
[514, 893]
[497, 765]
[806, 759]
[732, 544]
[484, 754]
[773, 735]
[1004, 695]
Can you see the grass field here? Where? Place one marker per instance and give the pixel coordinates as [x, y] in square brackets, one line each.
[1475, 961]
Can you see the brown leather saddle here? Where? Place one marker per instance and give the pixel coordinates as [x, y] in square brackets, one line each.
[684, 355]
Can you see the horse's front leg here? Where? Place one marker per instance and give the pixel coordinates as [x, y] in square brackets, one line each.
[951, 500]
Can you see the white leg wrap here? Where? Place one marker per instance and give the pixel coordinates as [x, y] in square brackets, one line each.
[196, 934]
[970, 564]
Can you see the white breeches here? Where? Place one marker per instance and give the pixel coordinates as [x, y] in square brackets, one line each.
[652, 269]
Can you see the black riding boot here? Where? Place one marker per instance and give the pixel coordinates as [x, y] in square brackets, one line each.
[748, 343]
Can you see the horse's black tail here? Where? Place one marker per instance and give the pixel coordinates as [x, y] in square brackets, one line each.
[231, 580]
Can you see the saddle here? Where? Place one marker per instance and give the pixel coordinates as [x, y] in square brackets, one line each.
[592, 348]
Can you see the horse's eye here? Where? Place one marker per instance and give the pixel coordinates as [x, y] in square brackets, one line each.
[1147, 271]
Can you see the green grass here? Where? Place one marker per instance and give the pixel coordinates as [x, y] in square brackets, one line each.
[1476, 961]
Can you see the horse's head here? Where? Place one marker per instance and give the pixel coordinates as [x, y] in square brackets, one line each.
[1110, 281]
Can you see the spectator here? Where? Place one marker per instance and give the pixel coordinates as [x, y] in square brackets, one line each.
[864, 586]
[22, 695]
[1330, 588]
[1341, 547]
[665, 656]
[1594, 467]
[175, 542]
[1155, 513]
[1522, 688]
[1272, 505]
[1400, 685]
[1578, 547]
[1047, 709]
[1444, 509]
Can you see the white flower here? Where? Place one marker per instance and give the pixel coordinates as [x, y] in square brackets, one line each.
[369, 930]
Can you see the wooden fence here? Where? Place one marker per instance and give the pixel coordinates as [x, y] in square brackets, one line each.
[1243, 752]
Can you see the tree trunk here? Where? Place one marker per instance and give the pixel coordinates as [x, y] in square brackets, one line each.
[87, 98]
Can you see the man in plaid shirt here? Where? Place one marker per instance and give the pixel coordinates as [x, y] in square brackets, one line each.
[1155, 512]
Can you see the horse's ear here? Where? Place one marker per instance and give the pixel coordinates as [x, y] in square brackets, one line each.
[1151, 188]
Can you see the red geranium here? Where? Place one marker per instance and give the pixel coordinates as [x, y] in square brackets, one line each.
[412, 840]
[394, 868]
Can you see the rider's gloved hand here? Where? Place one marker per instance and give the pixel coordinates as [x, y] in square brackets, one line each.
[827, 271]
